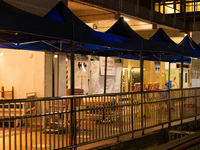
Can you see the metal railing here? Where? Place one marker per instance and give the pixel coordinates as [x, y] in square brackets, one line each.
[51, 123]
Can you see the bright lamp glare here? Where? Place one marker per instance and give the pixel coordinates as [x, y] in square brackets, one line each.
[55, 56]
[1, 54]
[185, 34]
[126, 19]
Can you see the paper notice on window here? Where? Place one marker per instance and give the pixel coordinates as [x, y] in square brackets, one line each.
[111, 70]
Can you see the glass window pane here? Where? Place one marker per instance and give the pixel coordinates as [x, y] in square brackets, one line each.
[157, 7]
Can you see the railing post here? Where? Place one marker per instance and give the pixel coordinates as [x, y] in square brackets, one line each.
[182, 95]
[141, 86]
[169, 106]
[169, 96]
[132, 116]
[72, 101]
[195, 107]
[120, 115]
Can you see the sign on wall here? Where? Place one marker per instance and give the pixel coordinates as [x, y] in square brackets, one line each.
[157, 66]
[110, 66]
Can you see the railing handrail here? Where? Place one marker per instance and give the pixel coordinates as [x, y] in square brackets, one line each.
[99, 116]
[86, 96]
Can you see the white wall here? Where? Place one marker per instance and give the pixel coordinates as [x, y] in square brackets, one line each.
[24, 70]
[91, 81]
[81, 77]
[113, 84]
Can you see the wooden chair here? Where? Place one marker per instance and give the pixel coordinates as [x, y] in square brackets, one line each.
[7, 94]
[156, 85]
[138, 87]
[150, 86]
[76, 92]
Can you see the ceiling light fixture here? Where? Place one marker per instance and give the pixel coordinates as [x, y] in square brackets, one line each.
[126, 19]
[55, 56]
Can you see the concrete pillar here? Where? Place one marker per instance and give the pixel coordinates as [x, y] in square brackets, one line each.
[59, 75]
[48, 75]
[62, 74]
[195, 62]
[196, 36]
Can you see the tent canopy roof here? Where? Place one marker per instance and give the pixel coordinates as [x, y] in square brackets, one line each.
[120, 38]
[189, 43]
[161, 36]
[160, 48]
[122, 28]
[18, 26]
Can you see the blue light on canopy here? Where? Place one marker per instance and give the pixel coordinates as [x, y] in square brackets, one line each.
[18, 26]
[189, 43]
[152, 50]
[62, 13]
[193, 49]
[38, 46]
[54, 15]
[85, 34]
[161, 36]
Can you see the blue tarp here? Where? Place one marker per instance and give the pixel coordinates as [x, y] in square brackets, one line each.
[97, 43]
[161, 36]
[156, 50]
[17, 26]
[121, 28]
[128, 46]
[21, 27]
[191, 45]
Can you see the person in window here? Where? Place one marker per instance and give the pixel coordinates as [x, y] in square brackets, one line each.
[165, 94]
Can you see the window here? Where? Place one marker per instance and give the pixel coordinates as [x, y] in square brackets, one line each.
[190, 6]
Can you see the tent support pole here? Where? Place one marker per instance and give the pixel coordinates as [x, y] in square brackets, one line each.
[169, 105]
[72, 101]
[141, 83]
[182, 89]
[105, 74]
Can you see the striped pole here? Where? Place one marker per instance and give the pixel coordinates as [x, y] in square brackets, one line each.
[66, 74]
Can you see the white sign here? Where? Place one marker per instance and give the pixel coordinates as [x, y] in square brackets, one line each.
[110, 66]
[157, 66]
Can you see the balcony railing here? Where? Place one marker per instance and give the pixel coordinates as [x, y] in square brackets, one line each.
[72, 121]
